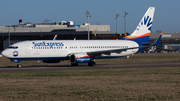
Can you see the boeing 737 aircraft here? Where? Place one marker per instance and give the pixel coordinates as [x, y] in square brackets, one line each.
[84, 51]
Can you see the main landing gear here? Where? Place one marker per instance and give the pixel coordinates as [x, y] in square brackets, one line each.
[74, 64]
[91, 63]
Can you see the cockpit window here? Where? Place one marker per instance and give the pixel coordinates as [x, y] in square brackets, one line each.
[13, 47]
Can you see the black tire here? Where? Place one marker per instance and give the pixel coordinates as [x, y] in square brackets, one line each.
[18, 66]
[74, 64]
[91, 63]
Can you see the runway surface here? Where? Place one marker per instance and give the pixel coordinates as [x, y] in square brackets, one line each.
[85, 67]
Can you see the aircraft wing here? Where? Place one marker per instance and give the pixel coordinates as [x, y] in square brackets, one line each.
[55, 37]
[108, 52]
[158, 40]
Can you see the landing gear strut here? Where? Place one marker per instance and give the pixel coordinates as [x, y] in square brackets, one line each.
[91, 63]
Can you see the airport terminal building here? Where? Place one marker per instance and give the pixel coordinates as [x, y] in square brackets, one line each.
[68, 31]
[47, 31]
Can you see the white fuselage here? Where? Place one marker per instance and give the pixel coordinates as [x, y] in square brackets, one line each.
[60, 49]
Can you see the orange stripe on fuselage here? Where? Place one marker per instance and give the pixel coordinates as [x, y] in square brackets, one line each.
[134, 37]
[82, 56]
[15, 54]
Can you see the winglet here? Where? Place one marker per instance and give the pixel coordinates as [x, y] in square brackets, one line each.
[55, 37]
[158, 40]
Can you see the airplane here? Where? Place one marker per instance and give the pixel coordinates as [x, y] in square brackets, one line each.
[84, 51]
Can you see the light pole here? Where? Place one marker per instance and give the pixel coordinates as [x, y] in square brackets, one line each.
[117, 15]
[9, 38]
[126, 13]
[88, 15]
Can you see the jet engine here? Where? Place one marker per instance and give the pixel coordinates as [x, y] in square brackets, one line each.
[79, 58]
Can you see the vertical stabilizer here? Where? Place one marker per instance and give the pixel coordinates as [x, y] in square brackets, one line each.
[142, 31]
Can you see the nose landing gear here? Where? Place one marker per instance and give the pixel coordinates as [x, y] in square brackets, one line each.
[18, 66]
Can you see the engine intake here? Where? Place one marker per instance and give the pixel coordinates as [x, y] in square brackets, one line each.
[79, 58]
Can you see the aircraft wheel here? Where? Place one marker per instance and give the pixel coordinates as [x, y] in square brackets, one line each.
[91, 63]
[18, 66]
[74, 64]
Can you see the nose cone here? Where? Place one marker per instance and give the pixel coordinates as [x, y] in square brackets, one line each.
[5, 53]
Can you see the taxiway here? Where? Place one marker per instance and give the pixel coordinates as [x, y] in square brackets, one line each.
[85, 67]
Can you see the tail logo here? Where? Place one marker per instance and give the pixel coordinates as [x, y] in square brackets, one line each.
[147, 22]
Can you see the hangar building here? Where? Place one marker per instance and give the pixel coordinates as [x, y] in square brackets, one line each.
[68, 31]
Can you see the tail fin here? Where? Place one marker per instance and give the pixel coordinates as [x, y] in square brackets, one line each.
[142, 31]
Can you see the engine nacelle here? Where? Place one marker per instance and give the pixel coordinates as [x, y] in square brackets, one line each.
[51, 61]
[79, 58]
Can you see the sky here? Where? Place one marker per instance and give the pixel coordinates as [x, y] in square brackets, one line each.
[103, 12]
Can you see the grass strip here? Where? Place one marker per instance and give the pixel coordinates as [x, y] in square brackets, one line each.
[139, 84]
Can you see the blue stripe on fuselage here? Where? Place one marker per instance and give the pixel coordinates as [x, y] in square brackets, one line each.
[139, 41]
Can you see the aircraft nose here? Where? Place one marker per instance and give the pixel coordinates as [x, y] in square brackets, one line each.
[5, 53]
